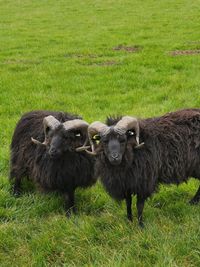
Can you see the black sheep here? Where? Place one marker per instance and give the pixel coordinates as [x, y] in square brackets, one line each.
[54, 165]
[169, 153]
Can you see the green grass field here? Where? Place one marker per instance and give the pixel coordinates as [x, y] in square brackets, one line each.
[60, 55]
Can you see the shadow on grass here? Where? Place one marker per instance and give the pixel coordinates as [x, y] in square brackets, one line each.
[172, 202]
[34, 203]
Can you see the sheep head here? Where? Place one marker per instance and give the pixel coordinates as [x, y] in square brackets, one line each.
[114, 140]
[62, 137]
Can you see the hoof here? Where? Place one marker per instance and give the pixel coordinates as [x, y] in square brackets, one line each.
[194, 201]
[141, 225]
[70, 211]
[130, 218]
[16, 193]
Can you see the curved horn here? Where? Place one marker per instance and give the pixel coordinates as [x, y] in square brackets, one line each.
[75, 124]
[94, 128]
[78, 124]
[50, 122]
[97, 127]
[126, 123]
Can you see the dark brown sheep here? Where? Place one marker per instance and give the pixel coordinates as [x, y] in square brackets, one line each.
[133, 156]
[43, 149]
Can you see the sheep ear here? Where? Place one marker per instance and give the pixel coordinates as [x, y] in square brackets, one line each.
[141, 145]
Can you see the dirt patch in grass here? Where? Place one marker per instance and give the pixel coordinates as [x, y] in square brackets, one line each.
[82, 55]
[21, 61]
[106, 63]
[130, 49]
[184, 52]
[102, 63]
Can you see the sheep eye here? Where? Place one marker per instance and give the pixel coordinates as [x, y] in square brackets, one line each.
[78, 135]
[130, 133]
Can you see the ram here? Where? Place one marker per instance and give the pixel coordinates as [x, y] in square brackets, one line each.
[134, 156]
[43, 149]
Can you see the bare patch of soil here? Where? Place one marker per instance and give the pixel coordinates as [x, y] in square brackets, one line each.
[21, 61]
[102, 63]
[131, 49]
[82, 55]
[185, 52]
[106, 63]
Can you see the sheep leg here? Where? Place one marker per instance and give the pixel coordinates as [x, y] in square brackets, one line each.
[128, 206]
[17, 187]
[69, 203]
[196, 198]
[140, 207]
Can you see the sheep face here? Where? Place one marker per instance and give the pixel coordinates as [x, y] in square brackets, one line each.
[114, 139]
[115, 145]
[60, 141]
[62, 137]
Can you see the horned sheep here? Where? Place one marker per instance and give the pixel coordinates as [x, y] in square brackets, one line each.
[134, 156]
[43, 149]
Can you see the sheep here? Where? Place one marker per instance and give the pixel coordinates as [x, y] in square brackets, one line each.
[43, 149]
[169, 153]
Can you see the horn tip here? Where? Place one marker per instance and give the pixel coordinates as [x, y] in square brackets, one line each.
[140, 145]
[82, 148]
[37, 142]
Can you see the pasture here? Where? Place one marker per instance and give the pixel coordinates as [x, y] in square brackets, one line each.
[97, 58]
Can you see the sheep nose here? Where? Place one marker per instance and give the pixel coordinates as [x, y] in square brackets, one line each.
[52, 151]
[115, 155]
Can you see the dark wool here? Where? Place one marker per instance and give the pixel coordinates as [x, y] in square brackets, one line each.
[171, 155]
[33, 161]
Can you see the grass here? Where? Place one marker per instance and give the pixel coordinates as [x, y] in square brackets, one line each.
[59, 55]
